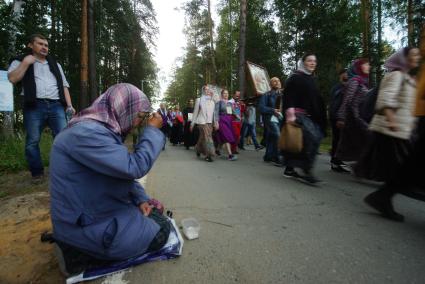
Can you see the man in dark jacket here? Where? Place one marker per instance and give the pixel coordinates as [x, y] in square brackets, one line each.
[46, 96]
[269, 108]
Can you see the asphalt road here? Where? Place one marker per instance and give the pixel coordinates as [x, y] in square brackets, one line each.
[260, 227]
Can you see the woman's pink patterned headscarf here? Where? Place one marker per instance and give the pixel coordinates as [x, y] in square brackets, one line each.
[116, 108]
[398, 61]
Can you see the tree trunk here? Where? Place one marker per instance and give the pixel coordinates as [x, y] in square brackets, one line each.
[242, 44]
[84, 100]
[210, 26]
[92, 52]
[410, 25]
[421, 80]
[379, 44]
[53, 37]
[365, 16]
[230, 49]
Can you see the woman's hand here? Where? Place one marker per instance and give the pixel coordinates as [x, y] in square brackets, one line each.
[155, 120]
[216, 127]
[145, 208]
[290, 115]
[391, 121]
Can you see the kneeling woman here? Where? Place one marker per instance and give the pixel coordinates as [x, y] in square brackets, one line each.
[97, 206]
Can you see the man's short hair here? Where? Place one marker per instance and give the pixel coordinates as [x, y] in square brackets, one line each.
[274, 79]
[34, 36]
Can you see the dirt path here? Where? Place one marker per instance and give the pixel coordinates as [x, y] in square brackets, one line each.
[24, 258]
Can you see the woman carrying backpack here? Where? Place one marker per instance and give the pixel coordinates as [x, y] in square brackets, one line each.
[409, 175]
[393, 123]
[354, 128]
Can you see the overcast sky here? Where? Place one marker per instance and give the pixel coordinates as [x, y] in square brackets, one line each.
[171, 39]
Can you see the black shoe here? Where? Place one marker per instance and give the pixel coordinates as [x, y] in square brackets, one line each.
[208, 159]
[217, 152]
[37, 179]
[242, 148]
[277, 164]
[339, 169]
[259, 148]
[309, 179]
[198, 154]
[291, 173]
[232, 158]
[382, 203]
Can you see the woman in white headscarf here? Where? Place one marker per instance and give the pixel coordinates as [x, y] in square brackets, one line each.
[303, 105]
[205, 117]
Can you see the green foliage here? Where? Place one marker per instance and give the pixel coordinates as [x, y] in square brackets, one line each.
[195, 68]
[330, 29]
[12, 152]
[6, 16]
[278, 34]
[124, 33]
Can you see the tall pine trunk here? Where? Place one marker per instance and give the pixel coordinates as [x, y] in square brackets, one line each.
[210, 26]
[53, 37]
[92, 52]
[410, 25]
[379, 44]
[242, 44]
[230, 48]
[84, 100]
[421, 81]
[365, 16]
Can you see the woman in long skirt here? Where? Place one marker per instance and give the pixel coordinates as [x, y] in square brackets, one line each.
[354, 128]
[189, 137]
[225, 135]
[393, 123]
[204, 116]
[177, 129]
[304, 106]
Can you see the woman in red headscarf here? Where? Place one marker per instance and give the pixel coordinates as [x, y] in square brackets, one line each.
[354, 128]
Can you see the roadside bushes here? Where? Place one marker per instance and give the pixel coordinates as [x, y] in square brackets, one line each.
[12, 152]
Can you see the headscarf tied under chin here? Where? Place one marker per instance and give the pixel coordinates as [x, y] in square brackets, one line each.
[397, 61]
[116, 108]
[355, 71]
[301, 68]
[204, 99]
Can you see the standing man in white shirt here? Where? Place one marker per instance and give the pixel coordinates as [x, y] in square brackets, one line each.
[46, 96]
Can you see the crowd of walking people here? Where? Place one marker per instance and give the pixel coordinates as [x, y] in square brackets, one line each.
[213, 125]
[374, 130]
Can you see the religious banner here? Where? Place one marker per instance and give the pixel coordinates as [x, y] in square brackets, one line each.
[259, 78]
